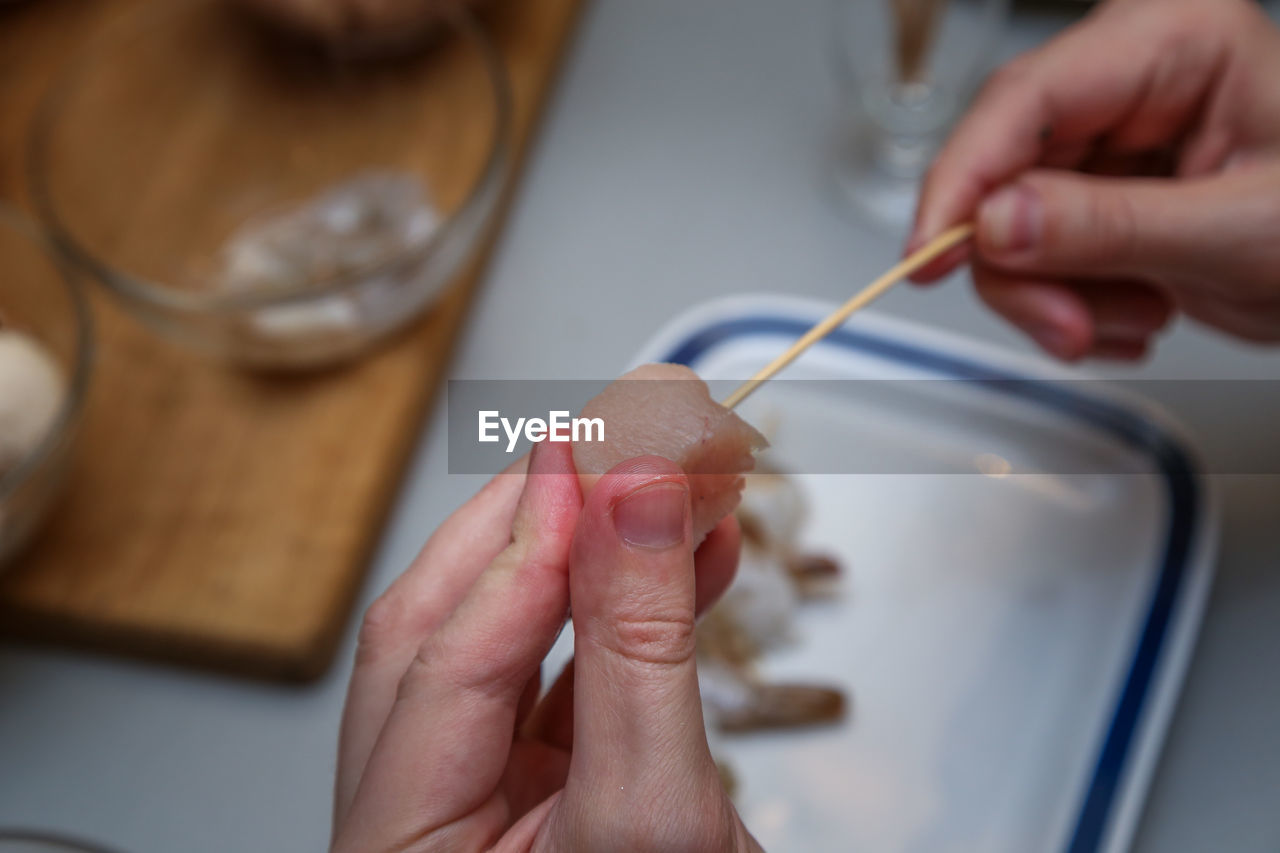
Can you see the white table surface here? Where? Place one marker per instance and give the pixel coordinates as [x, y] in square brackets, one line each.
[683, 157]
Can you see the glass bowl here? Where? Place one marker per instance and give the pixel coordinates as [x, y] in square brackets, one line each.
[46, 346]
[257, 199]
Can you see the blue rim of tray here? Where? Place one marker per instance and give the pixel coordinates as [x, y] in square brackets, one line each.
[1171, 461]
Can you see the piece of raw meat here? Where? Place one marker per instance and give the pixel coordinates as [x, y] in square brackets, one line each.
[666, 410]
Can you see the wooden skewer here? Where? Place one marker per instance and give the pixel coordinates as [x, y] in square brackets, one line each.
[920, 257]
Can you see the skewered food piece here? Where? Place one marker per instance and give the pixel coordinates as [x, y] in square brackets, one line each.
[666, 410]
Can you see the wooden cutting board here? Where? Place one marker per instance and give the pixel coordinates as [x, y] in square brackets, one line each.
[214, 518]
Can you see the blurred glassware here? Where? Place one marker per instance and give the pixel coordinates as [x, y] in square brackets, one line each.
[906, 68]
[261, 201]
[46, 347]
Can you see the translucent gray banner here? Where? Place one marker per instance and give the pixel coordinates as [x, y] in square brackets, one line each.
[990, 427]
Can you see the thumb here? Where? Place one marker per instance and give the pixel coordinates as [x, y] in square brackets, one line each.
[638, 733]
[1067, 224]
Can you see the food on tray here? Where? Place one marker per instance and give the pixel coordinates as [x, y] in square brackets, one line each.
[758, 613]
[31, 393]
[771, 514]
[743, 704]
[666, 410]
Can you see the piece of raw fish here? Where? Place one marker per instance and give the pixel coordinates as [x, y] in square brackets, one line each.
[666, 410]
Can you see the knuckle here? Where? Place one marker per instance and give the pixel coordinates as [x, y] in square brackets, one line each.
[1088, 226]
[423, 671]
[381, 627]
[1114, 228]
[658, 640]
[472, 663]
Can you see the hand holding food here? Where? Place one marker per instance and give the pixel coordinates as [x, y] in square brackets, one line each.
[444, 745]
[1126, 170]
[666, 410]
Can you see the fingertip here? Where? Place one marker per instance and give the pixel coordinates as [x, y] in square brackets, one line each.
[1063, 330]
[549, 506]
[941, 266]
[914, 242]
[1051, 313]
[1068, 312]
[1060, 343]
[716, 562]
[551, 457]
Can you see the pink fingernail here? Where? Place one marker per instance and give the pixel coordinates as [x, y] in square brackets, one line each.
[1009, 221]
[652, 516]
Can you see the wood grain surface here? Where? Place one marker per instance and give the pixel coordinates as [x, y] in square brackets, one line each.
[215, 518]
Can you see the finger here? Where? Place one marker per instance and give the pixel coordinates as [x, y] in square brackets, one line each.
[1125, 310]
[450, 729]
[1070, 319]
[638, 731]
[715, 563]
[410, 609]
[551, 720]
[941, 266]
[1051, 223]
[1051, 312]
[1122, 70]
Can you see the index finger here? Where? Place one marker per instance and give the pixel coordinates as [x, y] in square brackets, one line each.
[411, 608]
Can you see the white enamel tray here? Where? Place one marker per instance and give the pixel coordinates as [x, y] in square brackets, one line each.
[1013, 644]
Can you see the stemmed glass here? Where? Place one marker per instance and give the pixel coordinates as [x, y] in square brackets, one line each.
[906, 69]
